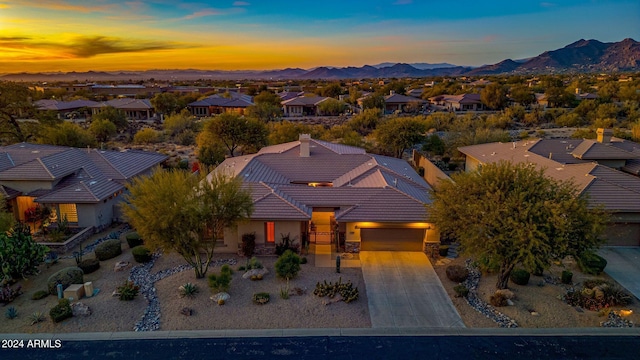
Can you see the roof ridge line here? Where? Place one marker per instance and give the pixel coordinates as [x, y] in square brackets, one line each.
[39, 159]
[277, 193]
[405, 194]
[89, 190]
[109, 163]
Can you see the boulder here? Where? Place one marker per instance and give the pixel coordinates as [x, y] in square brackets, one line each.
[255, 272]
[220, 296]
[80, 309]
[121, 265]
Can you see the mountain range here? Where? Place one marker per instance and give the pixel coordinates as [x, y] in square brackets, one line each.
[580, 56]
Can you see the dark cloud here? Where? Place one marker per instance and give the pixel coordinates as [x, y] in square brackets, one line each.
[86, 47]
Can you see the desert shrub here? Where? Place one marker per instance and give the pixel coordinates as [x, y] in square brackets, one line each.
[598, 294]
[566, 277]
[108, 249]
[498, 300]
[66, 277]
[61, 311]
[457, 273]
[89, 265]
[461, 290]
[591, 263]
[20, 256]
[141, 254]
[11, 313]
[221, 282]
[36, 317]
[303, 260]
[346, 290]
[40, 294]
[254, 264]
[147, 136]
[128, 291]
[8, 294]
[286, 243]
[443, 250]
[248, 244]
[520, 276]
[261, 298]
[288, 265]
[188, 290]
[133, 240]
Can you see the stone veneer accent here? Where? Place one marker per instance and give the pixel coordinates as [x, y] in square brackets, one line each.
[61, 248]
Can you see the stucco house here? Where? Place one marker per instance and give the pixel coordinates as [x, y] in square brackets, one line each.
[302, 105]
[401, 103]
[606, 169]
[464, 102]
[134, 109]
[331, 194]
[217, 104]
[83, 185]
[66, 110]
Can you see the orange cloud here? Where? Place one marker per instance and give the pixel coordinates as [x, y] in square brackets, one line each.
[66, 6]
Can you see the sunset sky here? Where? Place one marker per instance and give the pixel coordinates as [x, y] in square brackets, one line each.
[81, 35]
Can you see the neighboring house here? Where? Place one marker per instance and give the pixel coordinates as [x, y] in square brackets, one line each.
[464, 102]
[585, 96]
[331, 194]
[67, 110]
[600, 168]
[401, 103]
[134, 109]
[125, 90]
[288, 95]
[83, 185]
[216, 104]
[302, 105]
[541, 100]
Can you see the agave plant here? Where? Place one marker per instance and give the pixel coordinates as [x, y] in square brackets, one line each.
[36, 317]
[189, 290]
[11, 313]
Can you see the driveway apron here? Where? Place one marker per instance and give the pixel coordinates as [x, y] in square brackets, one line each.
[404, 291]
[623, 265]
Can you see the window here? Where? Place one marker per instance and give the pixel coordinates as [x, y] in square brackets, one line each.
[69, 211]
[270, 231]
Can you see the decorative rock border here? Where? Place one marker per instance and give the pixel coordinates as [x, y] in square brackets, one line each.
[141, 276]
[482, 307]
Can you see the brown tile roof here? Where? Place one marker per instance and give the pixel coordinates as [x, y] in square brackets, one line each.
[593, 150]
[615, 190]
[401, 99]
[304, 101]
[76, 175]
[357, 178]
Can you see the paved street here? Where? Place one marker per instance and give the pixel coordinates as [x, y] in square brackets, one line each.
[345, 347]
[404, 291]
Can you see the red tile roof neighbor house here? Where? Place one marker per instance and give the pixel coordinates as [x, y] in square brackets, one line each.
[334, 194]
[83, 184]
[604, 169]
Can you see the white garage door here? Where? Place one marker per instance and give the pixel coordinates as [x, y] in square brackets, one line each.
[391, 239]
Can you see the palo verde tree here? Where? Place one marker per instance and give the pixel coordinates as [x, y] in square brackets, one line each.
[178, 211]
[507, 215]
[234, 131]
[400, 133]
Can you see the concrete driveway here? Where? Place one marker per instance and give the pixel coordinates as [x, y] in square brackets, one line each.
[623, 265]
[404, 291]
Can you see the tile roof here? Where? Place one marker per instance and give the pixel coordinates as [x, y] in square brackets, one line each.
[217, 100]
[593, 150]
[63, 105]
[126, 104]
[304, 101]
[400, 99]
[279, 177]
[615, 190]
[75, 175]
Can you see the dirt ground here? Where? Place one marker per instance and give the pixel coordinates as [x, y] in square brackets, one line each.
[537, 296]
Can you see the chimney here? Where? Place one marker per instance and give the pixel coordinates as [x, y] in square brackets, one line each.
[304, 145]
[578, 91]
[392, 92]
[604, 135]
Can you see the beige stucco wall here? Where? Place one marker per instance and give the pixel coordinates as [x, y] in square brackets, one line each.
[233, 238]
[100, 214]
[471, 164]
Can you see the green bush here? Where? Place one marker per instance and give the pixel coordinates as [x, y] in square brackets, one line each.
[133, 240]
[254, 264]
[40, 294]
[89, 265]
[188, 290]
[591, 263]
[303, 260]
[261, 298]
[221, 282]
[566, 277]
[461, 290]
[288, 265]
[520, 276]
[457, 273]
[61, 311]
[66, 277]
[108, 249]
[141, 254]
[20, 256]
[128, 291]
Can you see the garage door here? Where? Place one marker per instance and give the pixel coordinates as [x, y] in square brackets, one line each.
[391, 239]
[622, 235]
